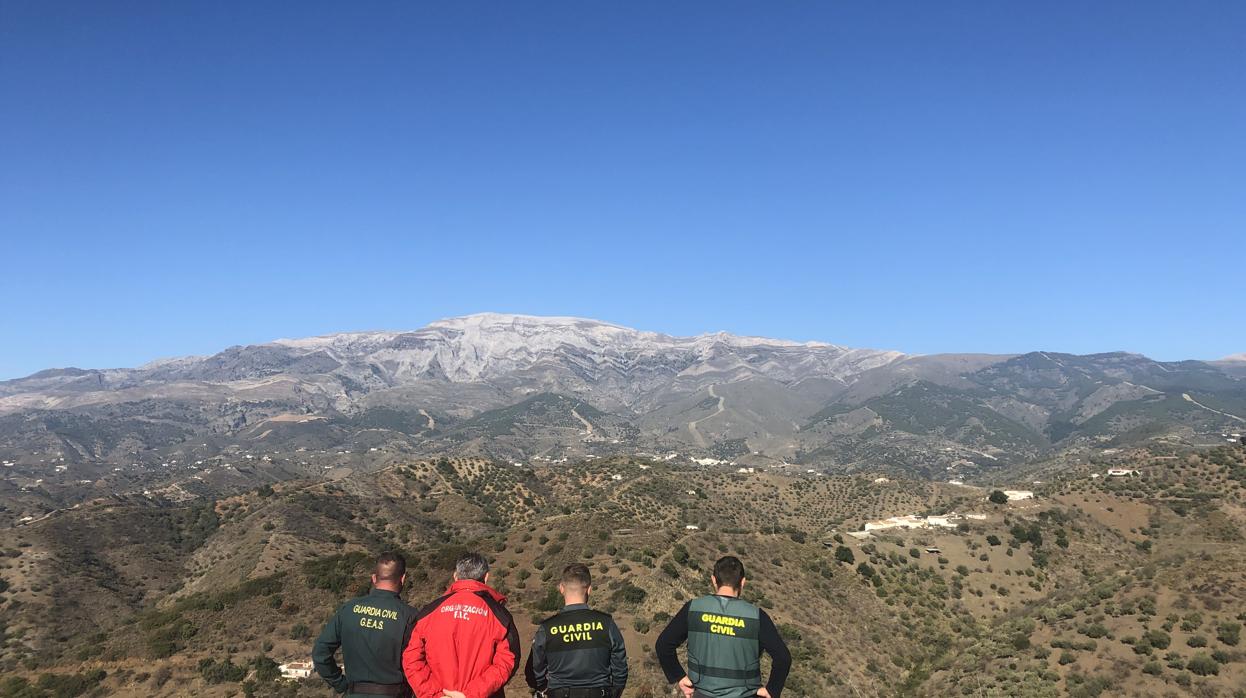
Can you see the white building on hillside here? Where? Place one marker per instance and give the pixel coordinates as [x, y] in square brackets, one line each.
[1018, 495]
[1122, 472]
[911, 522]
[296, 670]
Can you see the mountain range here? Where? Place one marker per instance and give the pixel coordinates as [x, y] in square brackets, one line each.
[519, 387]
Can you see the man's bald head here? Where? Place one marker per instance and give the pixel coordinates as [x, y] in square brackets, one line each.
[390, 571]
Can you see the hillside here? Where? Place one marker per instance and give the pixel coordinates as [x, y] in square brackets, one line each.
[1097, 586]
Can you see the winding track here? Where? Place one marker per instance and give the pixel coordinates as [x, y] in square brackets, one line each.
[692, 426]
[588, 426]
[1187, 398]
[432, 423]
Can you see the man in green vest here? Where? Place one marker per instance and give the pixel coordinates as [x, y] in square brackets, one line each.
[726, 636]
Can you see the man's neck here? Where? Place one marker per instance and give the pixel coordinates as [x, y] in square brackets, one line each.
[572, 600]
[385, 586]
[728, 591]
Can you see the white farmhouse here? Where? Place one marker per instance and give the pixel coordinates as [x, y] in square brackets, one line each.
[910, 521]
[296, 670]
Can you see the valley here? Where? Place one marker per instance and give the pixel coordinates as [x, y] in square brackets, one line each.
[1096, 586]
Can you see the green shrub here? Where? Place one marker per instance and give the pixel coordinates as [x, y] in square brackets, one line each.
[629, 593]
[221, 671]
[1203, 665]
[1158, 639]
[1229, 633]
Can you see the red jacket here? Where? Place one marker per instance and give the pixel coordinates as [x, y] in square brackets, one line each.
[465, 641]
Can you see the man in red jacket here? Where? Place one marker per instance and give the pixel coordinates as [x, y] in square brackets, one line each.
[465, 644]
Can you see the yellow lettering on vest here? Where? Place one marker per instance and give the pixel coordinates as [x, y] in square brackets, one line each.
[375, 612]
[576, 628]
[727, 621]
[372, 623]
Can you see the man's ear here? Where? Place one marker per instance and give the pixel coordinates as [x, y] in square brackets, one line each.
[486, 579]
[588, 590]
[742, 581]
[562, 588]
[403, 582]
[714, 582]
[374, 580]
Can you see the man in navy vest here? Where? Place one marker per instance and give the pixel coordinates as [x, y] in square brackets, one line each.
[726, 636]
[579, 652]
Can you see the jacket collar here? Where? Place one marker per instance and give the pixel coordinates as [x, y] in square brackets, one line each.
[472, 586]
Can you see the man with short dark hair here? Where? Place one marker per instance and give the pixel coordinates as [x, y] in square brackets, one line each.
[726, 636]
[465, 644]
[578, 653]
[372, 631]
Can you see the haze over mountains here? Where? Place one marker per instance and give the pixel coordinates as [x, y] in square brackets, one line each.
[517, 387]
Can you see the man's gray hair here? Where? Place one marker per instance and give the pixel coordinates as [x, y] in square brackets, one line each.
[471, 566]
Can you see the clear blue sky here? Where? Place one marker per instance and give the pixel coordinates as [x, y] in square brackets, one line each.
[178, 177]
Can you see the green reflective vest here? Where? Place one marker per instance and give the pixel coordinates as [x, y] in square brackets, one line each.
[724, 656]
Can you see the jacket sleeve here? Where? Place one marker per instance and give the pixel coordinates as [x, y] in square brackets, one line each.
[618, 659]
[415, 666]
[535, 669]
[772, 644]
[675, 634]
[322, 654]
[505, 658]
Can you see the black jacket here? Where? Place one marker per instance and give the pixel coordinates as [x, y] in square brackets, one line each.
[372, 631]
[578, 648]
